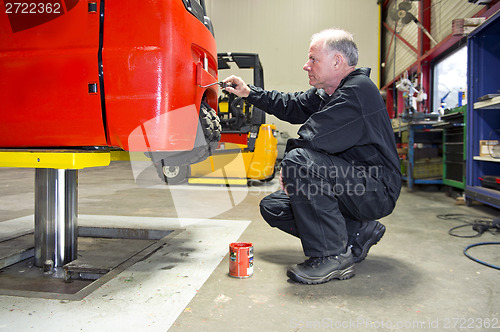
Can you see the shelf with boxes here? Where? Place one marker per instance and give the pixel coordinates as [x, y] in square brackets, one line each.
[489, 150]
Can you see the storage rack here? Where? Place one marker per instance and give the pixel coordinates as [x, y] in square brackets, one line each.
[454, 147]
[418, 132]
[483, 117]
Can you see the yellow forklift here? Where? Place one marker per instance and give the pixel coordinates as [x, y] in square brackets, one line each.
[248, 146]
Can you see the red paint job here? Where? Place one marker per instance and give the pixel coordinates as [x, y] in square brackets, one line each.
[43, 86]
[151, 51]
[150, 73]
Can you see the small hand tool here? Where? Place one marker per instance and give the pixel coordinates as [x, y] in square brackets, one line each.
[223, 85]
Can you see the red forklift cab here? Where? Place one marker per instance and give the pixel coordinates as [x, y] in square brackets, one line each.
[107, 74]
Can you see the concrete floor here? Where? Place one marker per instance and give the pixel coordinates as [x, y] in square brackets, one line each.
[417, 276]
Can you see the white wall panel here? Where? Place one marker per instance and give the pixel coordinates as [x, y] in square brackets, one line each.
[280, 31]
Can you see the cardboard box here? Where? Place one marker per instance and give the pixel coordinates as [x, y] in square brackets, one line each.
[464, 26]
[431, 168]
[486, 147]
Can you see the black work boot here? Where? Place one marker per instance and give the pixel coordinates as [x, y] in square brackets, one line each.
[368, 235]
[317, 270]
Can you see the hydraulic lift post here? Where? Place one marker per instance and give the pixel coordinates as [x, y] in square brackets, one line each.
[56, 198]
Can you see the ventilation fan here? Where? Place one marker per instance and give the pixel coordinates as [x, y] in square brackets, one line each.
[401, 13]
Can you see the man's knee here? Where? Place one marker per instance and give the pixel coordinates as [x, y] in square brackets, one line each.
[275, 208]
[266, 209]
[296, 166]
[294, 159]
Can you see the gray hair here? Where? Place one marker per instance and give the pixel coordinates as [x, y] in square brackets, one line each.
[341, 41]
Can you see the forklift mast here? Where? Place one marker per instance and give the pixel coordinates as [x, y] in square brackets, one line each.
[244, 61]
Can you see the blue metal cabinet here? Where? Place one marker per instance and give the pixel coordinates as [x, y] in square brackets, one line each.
[483, 117]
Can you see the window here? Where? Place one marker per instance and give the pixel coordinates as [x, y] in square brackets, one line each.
[450, 79]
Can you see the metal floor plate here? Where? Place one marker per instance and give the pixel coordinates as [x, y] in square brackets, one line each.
[99, 260]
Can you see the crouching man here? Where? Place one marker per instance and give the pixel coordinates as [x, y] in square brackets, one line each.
[342, 172]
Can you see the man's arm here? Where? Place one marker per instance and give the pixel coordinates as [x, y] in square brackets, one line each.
[295, 108]
[335, 128]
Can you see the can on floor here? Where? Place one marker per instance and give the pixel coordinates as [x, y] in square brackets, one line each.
[240, 259]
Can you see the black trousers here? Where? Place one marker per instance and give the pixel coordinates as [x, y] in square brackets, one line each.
[327, 199]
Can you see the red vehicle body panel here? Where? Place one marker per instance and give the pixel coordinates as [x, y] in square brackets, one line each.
[154, 55]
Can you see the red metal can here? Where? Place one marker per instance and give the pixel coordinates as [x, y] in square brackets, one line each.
[240, 259]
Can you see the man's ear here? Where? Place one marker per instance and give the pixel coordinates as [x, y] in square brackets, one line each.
[338, 58]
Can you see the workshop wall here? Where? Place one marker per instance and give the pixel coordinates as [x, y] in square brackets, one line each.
[442, 14]
[280, 31]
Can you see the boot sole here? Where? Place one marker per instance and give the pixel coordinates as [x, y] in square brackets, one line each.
[376, 236]
[337, 274]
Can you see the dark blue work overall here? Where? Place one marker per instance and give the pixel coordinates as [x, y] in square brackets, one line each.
[342, 170]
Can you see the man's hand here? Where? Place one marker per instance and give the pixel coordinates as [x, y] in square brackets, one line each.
[237, 87]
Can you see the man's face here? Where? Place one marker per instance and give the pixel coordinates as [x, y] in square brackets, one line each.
[320, 66]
